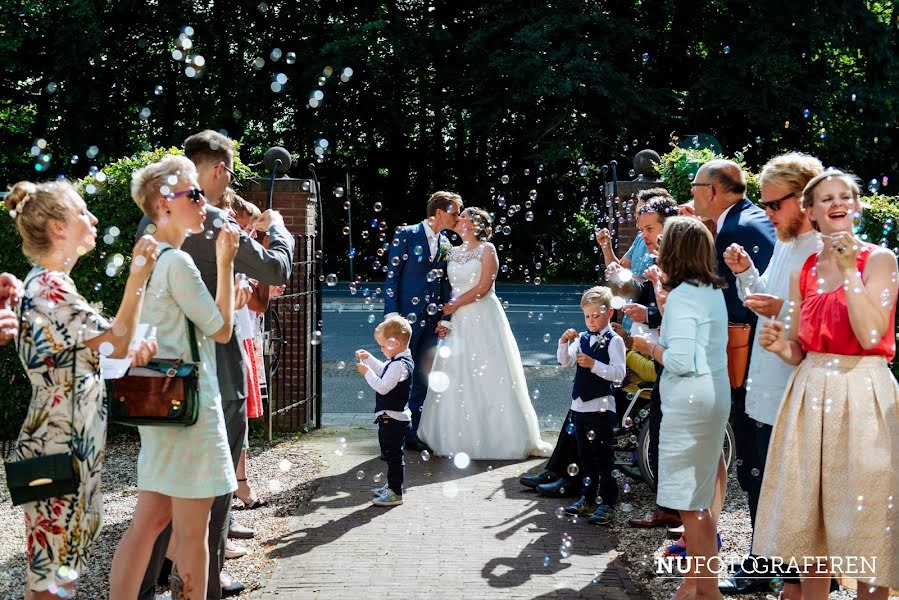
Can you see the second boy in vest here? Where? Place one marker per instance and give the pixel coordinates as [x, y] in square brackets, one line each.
[391, 381]
[600, 357]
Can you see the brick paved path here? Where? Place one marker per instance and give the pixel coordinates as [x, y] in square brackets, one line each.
[462, 533]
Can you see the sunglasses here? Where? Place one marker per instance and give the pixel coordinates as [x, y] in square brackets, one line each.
[774, 205]
[195, 194]
[234, 182]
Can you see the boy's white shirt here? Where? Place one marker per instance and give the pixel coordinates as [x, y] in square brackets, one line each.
[383, 384]
[615, 371]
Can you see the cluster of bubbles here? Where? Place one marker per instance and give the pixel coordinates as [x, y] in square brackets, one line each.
[194, 64]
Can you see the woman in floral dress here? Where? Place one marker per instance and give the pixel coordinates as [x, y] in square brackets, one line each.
[61, 335]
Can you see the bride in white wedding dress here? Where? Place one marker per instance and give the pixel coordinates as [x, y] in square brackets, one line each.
[478, 401]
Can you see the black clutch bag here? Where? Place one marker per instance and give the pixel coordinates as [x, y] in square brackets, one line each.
[41, 477]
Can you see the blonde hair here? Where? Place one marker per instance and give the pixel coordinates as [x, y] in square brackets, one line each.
[228, 197]
[808, 193]
[598, 294]
[482, 221]
[150, 182]
[33, 206]
[794, 170]
[395, 327]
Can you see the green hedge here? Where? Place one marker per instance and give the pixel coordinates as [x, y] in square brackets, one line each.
[108, 195]
[679, 166]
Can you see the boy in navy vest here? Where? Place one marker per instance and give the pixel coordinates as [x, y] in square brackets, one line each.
[600, 357]
[391, 382]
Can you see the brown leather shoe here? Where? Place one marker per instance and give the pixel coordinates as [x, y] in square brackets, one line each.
[657, 519]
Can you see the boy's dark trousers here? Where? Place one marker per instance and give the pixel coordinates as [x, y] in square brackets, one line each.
[565, 452]
[391, 437]
[596, 456]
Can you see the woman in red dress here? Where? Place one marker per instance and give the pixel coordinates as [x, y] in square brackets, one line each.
[830, 484]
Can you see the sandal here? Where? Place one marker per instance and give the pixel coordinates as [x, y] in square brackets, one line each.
[257, 502]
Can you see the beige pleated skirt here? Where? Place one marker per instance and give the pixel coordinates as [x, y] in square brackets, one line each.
[830, 487]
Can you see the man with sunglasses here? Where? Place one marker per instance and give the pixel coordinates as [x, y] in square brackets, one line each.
[719, 195]
[213, 155]
[782, 180]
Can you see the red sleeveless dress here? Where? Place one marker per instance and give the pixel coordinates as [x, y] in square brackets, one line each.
[824, 319]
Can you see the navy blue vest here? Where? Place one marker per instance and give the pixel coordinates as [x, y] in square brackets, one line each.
[397, 398]
[588, 385]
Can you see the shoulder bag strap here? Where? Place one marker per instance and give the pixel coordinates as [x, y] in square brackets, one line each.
[194, 353]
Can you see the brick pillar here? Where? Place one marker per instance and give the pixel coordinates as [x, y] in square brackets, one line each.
[296, 386]
[627, 192]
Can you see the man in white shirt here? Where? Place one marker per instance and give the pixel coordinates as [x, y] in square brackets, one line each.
[782, 181]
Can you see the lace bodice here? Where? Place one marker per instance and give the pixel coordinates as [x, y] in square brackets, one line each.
[464, 268]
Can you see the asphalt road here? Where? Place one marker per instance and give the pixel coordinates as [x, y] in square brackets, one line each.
[533, 312]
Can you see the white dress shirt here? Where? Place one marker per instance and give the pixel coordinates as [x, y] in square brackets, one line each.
[433, 242]
[432, 238]
[614, 371]
[768, 375]
[722, 216]
[382, 384]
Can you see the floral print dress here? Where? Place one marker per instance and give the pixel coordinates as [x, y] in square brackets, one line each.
[55, 321]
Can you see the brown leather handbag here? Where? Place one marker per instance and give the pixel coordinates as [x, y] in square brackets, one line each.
[164, 392]
[738, 336]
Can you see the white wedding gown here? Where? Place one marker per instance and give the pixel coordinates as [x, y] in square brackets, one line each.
[477, 400]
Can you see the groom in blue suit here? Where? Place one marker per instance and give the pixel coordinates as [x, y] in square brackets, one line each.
[417, 287]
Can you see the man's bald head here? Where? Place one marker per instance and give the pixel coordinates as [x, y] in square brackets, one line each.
[726, 175]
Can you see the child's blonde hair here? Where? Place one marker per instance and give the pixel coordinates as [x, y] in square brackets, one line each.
[598, 294]
[395, 327]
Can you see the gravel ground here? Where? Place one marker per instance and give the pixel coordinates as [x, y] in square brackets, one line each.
[284, 474]
[280, 472]
[641, 547]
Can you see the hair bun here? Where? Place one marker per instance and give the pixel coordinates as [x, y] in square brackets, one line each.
[18, 195]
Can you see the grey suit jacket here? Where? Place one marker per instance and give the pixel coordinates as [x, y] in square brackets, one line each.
[271, 266]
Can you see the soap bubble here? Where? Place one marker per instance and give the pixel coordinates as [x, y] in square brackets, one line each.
[360, 475]
[573, 469]
[285, 465]
[438, 381]
[461, 460]
[425, 455]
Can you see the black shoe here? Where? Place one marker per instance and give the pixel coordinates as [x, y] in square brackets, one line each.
[560, 488]
[741, 582]
[232, 589]
[414, 443]
[164, 571]
[532, 481]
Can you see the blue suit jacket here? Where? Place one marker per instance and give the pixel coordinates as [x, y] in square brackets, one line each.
[748, 225]
[409, 288]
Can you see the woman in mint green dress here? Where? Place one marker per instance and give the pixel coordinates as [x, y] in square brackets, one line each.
[180, 469]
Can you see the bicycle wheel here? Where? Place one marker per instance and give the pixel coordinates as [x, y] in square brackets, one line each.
[643, 457]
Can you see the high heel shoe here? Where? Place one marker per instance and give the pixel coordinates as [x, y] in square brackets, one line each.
[257, 502]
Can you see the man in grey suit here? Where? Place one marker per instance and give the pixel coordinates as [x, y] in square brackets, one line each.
[213, 155]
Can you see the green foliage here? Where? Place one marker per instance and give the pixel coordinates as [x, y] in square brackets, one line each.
[111, 203]
[678, 166]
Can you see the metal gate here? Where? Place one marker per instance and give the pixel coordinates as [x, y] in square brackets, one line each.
[294, 351]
